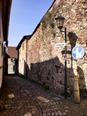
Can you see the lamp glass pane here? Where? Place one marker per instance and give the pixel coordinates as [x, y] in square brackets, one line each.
[60, 22]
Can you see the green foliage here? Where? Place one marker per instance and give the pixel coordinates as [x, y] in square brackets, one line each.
[47, 20]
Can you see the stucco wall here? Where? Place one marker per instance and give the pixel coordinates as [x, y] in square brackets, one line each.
[22, 58]
[11, 66]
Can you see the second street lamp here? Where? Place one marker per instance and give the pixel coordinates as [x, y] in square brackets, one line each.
[60, 22]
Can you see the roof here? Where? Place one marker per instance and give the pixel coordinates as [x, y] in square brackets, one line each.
[12, 52]
[22, 40]
[6, 6]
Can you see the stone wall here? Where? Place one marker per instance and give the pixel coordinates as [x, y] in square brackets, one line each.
[45, 62]
[75, 12]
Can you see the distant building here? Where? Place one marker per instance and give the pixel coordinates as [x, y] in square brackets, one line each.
[12, 60]
[22, 55]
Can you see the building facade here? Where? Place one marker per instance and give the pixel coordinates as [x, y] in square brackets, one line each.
[44, 61]
[22, 56]
[5, 6]
[12, 60]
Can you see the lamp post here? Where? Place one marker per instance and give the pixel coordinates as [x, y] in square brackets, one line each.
[60, 23]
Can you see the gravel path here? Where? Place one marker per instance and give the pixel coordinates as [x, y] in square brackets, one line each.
[26, 98]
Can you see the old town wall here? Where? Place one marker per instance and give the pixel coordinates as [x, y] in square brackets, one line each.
[45, 62]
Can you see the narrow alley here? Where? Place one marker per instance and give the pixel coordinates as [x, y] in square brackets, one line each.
[26, 98]
[48, 46]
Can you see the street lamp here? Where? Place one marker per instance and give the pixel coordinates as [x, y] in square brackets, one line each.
[60, 22]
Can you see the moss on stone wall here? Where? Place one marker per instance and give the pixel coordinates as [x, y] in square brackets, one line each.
[47, 20]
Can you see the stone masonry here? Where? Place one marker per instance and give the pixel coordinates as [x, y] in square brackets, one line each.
[45, 62]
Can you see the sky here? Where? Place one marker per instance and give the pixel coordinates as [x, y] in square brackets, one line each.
[25, 15]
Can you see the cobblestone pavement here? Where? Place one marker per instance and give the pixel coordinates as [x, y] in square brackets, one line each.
[26, 98]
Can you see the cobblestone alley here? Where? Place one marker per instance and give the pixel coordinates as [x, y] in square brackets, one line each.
[25, 98]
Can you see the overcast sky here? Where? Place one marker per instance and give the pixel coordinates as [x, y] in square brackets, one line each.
[25, 15]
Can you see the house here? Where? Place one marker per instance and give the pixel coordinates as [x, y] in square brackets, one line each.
[44, 61]
[5, 6]
[22, 55]
[12, 60]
